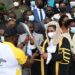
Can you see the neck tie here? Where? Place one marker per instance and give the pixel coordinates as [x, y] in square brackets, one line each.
[41, 16]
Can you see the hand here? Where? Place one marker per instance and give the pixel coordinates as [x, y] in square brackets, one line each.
[30, 60]
[44, 55]
[23, 43]
[32, 40]
[35, 55]
[26, 39]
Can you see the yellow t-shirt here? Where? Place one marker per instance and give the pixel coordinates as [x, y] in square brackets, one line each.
[18, 53]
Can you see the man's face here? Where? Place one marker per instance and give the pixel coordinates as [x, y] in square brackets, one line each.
[12, 15]
[39, 3]
[11, 24]
[72, 24]
[31, 27]
[49, 12]
[73, 12]
[29, 13]
[62, 7]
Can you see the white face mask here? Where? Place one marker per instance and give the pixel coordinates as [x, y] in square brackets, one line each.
[72, 4]
[16, 3]
[31, 18]
[51, 34]
[57, 5]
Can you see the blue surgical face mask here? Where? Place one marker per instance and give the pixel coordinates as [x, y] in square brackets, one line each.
[72, 30]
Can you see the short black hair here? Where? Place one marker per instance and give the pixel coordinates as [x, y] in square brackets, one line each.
[11, 12]
[70, 21]
[61, 19]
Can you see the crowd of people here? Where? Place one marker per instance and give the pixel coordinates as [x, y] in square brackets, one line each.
[37, 37]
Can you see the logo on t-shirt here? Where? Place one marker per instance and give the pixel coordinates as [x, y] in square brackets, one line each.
[2, 61]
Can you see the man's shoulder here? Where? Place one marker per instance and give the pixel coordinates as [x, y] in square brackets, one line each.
[37, 34]
[8, 43]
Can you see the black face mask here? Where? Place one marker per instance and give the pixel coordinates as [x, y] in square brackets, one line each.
[49, 14]
[62, 9]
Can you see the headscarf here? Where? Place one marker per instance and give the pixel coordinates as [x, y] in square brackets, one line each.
[58, 33]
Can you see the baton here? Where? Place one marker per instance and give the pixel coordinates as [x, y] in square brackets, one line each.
[29, 33]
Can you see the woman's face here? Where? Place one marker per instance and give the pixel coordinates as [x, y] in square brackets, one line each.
[51, 29]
